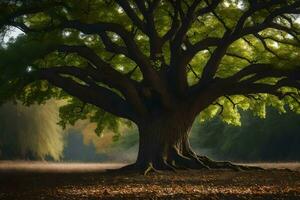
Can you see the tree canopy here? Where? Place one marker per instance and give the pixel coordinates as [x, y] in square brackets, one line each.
[116, 60]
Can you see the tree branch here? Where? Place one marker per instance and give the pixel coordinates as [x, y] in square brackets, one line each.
[111, 46]
[267, 48]
[125, 5]
[156, 42]
[96, 95]
[9, 16]
[151, 77]
[108, 75]
[239, 57]
[179, 59]
[240, 31]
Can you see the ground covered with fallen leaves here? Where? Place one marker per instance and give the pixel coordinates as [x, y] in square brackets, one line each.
[201, 184]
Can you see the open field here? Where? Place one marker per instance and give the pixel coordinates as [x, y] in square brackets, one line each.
[19, 180]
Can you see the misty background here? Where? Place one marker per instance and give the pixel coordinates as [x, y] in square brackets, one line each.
[32, 133]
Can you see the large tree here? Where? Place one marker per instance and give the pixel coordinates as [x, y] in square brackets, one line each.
[157, 63]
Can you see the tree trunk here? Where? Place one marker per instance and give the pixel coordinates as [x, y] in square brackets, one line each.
[164, 145]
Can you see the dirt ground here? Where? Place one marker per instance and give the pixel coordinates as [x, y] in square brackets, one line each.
[93, 183]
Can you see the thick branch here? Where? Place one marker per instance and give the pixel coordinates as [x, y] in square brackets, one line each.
[155, 41]
[175, 23]
[108, 75]
[178, 62]
[213, 63]
[92, 94]
[202, 45]
[111, 46]
[234, 84]
[150, 76]
[254, 88]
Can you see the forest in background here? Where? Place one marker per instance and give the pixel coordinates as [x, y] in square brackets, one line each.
[32, 133]
[275, 138]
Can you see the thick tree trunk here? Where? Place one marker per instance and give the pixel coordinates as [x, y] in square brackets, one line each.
[164, 145]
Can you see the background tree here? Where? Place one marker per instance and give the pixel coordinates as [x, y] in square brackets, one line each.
[155, 63]
[272, 139]
[30, 133]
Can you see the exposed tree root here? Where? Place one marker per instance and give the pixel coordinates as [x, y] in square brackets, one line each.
[226, 165]
[137, 168]
[180, 162]
[189, 162]
[149, 168]
[164, 165]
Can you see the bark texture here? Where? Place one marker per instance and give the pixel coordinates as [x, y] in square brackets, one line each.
[164, 145]
[164, 140]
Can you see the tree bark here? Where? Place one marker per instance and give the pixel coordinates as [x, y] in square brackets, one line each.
[164, 145]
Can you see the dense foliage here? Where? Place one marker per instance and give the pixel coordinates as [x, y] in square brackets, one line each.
[275, 138]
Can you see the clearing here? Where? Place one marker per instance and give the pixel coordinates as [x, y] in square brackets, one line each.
[40, 180]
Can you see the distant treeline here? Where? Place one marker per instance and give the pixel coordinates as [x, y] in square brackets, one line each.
[276, 138]
[33, 134]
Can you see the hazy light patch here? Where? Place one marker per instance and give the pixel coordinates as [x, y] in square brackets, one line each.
[139, 37]
[274, 44]
[65, 10]
[90, 39]
[66, 33]
[121, 68]
[226, 4]
[132, 6]
[241, 5]
[288, 36]
[115, 37]
[29, 69]
[40, 167]
[120, 10]
[236, 4]
[34, 132]
[11, 35]
[81, 35]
